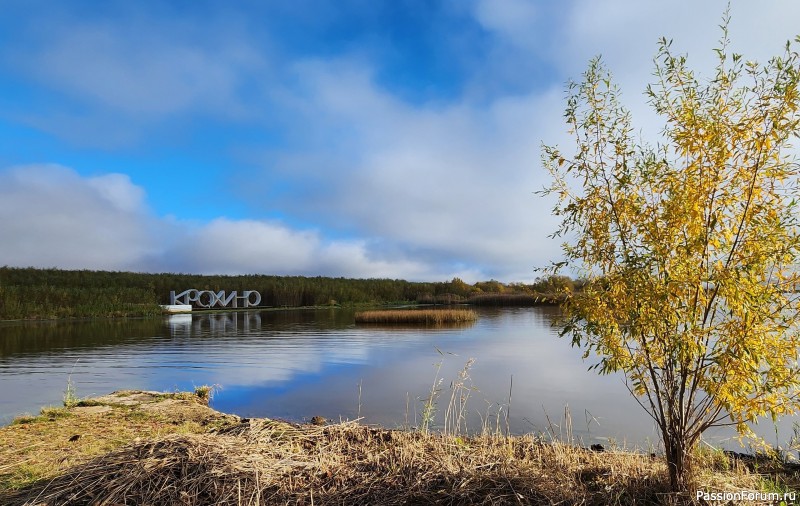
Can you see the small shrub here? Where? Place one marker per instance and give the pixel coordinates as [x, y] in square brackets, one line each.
[205, 392]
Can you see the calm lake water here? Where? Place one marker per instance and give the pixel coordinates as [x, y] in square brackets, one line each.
[296, 364]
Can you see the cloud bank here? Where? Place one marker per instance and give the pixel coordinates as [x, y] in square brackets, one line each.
[58, 218]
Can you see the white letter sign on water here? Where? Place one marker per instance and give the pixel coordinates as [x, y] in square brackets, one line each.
[208, 298]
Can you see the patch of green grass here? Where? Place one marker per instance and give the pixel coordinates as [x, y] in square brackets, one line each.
[206, 392]
[218, 424]
[25, 419]
[774, 484]
[70, 394]
[86, 403]
[52, 413]
[23, 475]
[34, 448]
[712, 458]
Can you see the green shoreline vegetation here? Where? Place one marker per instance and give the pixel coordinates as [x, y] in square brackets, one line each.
[135, 447]
[40, 294]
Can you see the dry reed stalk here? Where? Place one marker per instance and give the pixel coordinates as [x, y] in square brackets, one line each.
[417, 316]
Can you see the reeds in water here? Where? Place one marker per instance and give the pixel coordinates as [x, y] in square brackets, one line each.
[417, 316]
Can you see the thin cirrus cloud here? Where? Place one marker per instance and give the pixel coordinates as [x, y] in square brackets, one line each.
[341, 152]
[144, 68]
[130, 79]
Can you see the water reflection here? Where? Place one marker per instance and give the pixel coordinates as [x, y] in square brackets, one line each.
[185, 325]
[300, 363]
[32, 338]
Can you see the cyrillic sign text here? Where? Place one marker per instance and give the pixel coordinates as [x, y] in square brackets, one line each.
[208, 298]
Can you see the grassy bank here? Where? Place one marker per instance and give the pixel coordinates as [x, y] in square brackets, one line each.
[417, 316]
[150, 448]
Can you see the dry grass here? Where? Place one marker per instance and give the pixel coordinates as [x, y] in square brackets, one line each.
[40, 447]
[266, 462]
[417, 316]
[223, 460]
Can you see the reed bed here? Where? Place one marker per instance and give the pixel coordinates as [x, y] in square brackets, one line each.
[417, 316]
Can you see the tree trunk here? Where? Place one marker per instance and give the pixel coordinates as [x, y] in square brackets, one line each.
[679, 456]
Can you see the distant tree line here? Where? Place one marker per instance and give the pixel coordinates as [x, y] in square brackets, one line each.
[28, 293]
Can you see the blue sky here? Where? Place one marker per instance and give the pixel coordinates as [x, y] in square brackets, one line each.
[329, 137]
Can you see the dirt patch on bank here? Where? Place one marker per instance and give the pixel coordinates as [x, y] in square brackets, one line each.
[179, 407]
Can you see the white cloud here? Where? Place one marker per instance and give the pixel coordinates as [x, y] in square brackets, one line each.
[626, 34]
[456, 181]
[50, 216]
[515, 19]
[226, 246]
[111, 82]
[440, 183]
[119, 191]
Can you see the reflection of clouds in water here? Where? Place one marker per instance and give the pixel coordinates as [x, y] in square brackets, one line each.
[548, 375]
[237, 349]
[227, 349]
[298, 364]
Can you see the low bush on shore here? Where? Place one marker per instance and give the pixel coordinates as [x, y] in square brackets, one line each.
[417, 316]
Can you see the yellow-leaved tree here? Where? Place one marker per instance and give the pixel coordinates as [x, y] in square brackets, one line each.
[689, 247]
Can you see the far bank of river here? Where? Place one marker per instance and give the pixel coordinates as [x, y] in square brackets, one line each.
[40, 294]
